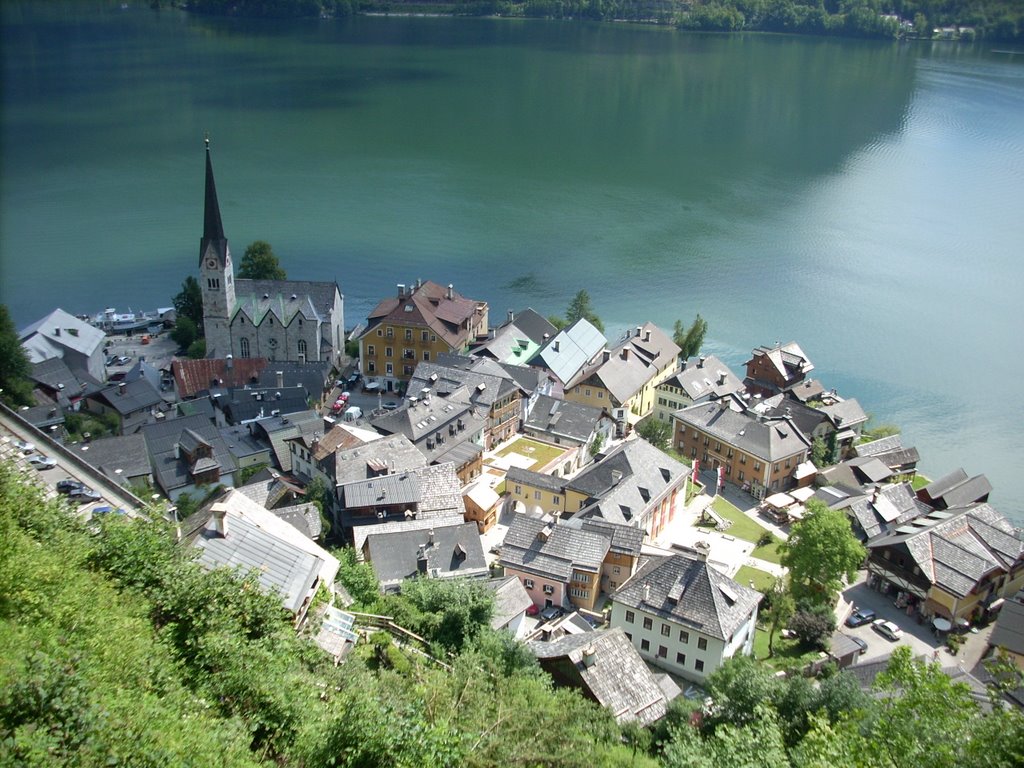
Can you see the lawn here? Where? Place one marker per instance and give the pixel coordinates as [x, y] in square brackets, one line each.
[541, 453]
[788, 653]
[744, 528]
[762, 579]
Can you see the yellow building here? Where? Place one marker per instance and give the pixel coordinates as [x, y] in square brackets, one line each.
[421, 322]
[625, 376]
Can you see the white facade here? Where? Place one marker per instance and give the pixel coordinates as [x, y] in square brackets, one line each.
[678, 647]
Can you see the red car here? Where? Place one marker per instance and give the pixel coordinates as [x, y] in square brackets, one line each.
[339, 406]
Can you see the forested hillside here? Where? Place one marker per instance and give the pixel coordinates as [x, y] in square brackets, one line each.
[987, 19]
[115, 649]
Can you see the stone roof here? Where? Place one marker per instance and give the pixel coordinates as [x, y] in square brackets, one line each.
[769, 440]
[625, 539]
[450, 551]
[54, 375]
[569, 351]
[564, 419]
[881, 445]
[627, 483]
[636, 358]
[128, 397]
[957, 489]
[704, 378]
[126, 453]
[362, 461]
[192, 377]
[532, 323]
[885, 508]
[687, 591]
[312, 375]
[163, 439]
[520, 476]
[314, 299]
[537, 545]
[437, 426]
[58, 330]
[510, 600]
[1008, 632]
[482, 385]
[243, 405]
[609, 670]
[281, 556]
[957, 547]
[280, 429]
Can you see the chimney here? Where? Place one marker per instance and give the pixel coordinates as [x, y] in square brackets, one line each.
[421, 560]
[702, 549]
[220, 520]
[450, 291]
[647, 592]
[721, 377]
[544, 533]
[647, 335]
[546, 337]
[625, 353]
[401, 290]
[589, 656]
[229, 362]
[430, 537]
[616, 477]
[511, 316]
[700, 361]
[555, 346]
[121, 387]
[606, 356]
[56, 331]
[638, 330]
[280, 378]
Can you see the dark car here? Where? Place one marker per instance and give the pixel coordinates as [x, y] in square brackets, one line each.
[860, 617]
[83, 494]
[859, 643]
[67, 485]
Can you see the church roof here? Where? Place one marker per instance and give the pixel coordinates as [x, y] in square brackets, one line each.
[213, 228]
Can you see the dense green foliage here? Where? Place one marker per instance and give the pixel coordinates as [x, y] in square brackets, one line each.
[116, 649]
[14, 364]
[820, 553]
[989, 19]
[579, 308]
[260, 263]
[690, 340]
[657, 433]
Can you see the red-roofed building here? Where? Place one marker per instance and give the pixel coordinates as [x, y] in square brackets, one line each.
[416, 325]
[194, 376]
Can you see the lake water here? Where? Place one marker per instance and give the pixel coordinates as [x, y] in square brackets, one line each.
[865, 199]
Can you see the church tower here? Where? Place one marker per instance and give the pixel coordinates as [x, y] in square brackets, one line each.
[216, 273]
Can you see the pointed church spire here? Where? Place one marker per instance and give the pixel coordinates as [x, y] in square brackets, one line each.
[213, 228]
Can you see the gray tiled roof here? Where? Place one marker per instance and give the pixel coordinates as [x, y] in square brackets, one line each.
[162, 438]
[881, 445]
[768, 440]
[702, 378]
[396, 451]
[401, 488]
[533, 324]
[314, 299]
[564, 419]
[60, 329]
[304, 517]
[54, 375]
[710, 602]
[482, 387]
[845, 413]
[957, 547]
[565, 547]
[109, 454]
[644, 474]
[247, 404]
[1009, 629]
[625, 539]
[510, 600]
[130, 397]
[609, 669]
[520, 476]
[633, 361]
[280, 429]
[450, 551]
[278, 564]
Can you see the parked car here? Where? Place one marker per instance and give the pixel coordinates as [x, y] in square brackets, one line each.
[67, 485]
[859, 643]
[339, 406]
[860, 617]
[39, 461]
[83, 493]
[551, 612]
[390, 405]
[24, 447]
[344, 396]
[353, 378]
[106, 509]
[887, 629]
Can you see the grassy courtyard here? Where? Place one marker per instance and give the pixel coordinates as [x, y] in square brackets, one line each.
[541, 453]
[788, 653]
[744, 528]
[762, 579]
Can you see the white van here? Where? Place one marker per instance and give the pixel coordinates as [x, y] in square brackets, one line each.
[353, 413]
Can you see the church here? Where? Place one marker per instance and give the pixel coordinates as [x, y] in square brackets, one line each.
[287, 320]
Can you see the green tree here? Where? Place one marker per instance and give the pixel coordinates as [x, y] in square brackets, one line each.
[188, 302]
[447, 612]
[358, 578]
[657, 433]
[196, 350]
[597, 445]
[778, 611]
[14, 364]
[580, 308]
[737, 687]
[819, 453]
[260, 263]
[184, 332]
[820, 552]
[690, 340]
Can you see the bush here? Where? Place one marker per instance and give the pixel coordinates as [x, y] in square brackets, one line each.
[813, 628]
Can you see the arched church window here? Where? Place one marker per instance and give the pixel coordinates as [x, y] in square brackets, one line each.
[302, 346]
[243, 347]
